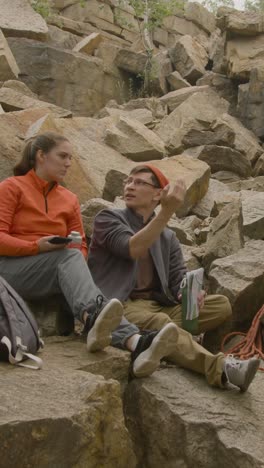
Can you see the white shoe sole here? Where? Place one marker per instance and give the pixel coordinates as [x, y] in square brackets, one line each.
[162, 345]
[108, 320]
[252, 370]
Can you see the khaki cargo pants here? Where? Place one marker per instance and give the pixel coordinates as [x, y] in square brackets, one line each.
[150, 315]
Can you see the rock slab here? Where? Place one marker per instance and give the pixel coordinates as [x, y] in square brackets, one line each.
[64, 420]
[178, 421]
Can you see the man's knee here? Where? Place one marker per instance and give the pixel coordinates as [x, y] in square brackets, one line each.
[159, 320]
[225, 309]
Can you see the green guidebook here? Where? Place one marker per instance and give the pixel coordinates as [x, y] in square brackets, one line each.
[191, 286]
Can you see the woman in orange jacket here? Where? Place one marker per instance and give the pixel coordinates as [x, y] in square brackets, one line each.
[34, 209]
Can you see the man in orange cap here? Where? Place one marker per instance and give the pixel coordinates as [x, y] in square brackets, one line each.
[134, 257]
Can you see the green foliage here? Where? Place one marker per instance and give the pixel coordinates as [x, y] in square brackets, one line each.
[257, 5]
[150, 15]
[41, 6]
[156, 10]
[213, 5]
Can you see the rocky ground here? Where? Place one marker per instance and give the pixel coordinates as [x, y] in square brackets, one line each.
[79, 72]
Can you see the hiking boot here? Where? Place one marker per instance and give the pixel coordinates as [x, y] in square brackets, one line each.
[151, 348]
[240, 373]
[102, 322]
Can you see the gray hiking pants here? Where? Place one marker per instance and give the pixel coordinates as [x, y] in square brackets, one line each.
[62, 272]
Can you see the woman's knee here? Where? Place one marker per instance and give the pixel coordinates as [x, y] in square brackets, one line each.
[73, 255]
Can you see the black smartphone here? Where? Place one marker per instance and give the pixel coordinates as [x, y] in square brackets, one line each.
[60, 240]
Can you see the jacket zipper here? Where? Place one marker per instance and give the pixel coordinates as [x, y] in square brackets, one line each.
[45, 195]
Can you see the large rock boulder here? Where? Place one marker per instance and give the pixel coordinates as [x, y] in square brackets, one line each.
[240, 277]
[53, 316]
[77, 82]
[96, 13]
[134, 140]
[82, 29]
[131, 61]
[161, 67]
[253, 214]
[70, 353]
[143, 115]
[217, 133]
[153, 104]
[240, 23]
[216, 51]
[259, 167]
[242, 55]
[224, 87]
[189, 58]
[49, 409]
[8, 66]
[245, 141]
[199, 15]
[59, 38]
[175, 98]
[216, 189]
[256, 184]
[250, 106]
[88, 44]
[90, 210]
[190, 260]
[176, 81]
[222, 158]
[94, 158]
[12, 100]
[19, 87]
[179, 26]
[198, 111]
[18, 19]
[177, 420]
[225, 236]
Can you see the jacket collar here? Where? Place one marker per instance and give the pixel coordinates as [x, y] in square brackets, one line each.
[41, 184]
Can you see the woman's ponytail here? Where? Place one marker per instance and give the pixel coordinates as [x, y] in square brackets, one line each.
[27, 161]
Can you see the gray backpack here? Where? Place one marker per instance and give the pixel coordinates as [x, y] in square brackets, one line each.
[19, 335]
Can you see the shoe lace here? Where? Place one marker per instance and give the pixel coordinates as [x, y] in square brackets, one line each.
[92, 316]
[99, 302]
[231, 361]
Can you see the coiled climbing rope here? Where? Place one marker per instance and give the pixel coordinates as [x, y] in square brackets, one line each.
[253, 342]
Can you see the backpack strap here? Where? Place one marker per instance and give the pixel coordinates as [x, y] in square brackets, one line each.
[20, 354]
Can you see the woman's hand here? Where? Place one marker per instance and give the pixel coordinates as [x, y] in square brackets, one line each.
[45, 246]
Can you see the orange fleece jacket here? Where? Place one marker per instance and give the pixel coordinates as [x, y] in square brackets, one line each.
[30, 210]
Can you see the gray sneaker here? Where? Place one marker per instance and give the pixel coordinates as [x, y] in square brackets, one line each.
[240, 373]
[100, 324]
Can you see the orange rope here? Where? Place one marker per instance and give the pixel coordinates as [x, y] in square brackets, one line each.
[252, 343]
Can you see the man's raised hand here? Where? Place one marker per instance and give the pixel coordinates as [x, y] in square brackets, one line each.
[172, 196]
